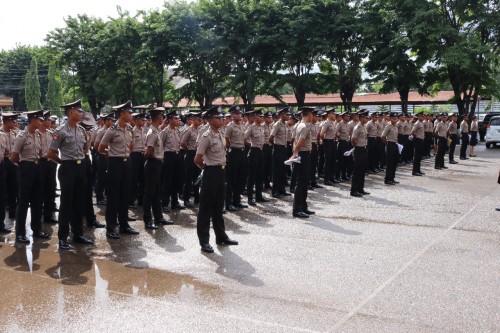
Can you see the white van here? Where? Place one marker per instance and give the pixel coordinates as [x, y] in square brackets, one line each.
[493, 132]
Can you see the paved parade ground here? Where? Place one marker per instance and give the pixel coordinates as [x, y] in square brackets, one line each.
[422, 256]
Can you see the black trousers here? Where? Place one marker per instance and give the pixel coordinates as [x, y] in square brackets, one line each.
[453, 144]
[73, 181]
[418, 145]
[100, 184]
[289, 152]
[342, 160]
[439, 161]
[152, 190]
[409, 145]
[314, 163]
[303, 172]
[11, 186]
[465, 143]
[117, 188]
[30, 195]
[211, 204]
[372, 153]
[392, 154]
[182, 172]
[279, 169]
[94, 154]
[236, 161]
[192, 172]
[171, 176]
[321, 159]
[88, 209]
[48, 186]
[330, 151]
[382, 155]
[136, 177]
[255, 172]
[2, 194]
[349, 160]
[358, 175]
[428, 145]
[268, 163]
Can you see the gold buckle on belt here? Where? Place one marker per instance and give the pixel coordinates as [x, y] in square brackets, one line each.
[78, 161]
[125, 159]
[222, 166]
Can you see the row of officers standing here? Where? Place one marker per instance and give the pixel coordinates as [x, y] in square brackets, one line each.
[151, 159]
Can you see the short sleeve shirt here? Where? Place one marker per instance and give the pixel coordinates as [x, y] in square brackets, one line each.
[279, 133]
[3, 145]
[153, 140]
[418, 129]
[474, 126]
[189, 137]
[171, 139]
[46, 140]
[71, 143]
[28, 146]
[359, 133]
[343, 131]
[212, 146]
[236, 135]
[452, 127]
[139, 140]
[371, 129]
[118, 140]
[329, 128]
[390, 133]
[441, 129]
[255, 134]
[303, 131]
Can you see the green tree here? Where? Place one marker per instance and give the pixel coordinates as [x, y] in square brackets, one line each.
[32, 87]
[54, 98]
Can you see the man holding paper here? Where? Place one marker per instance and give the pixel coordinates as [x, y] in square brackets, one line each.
[359, 141]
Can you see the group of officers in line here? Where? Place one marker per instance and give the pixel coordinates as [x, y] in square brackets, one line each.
[153, 159]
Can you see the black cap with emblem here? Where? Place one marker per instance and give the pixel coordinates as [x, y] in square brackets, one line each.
[6, 116]
[214, 112]
[76, 105]
[38, 114]
[127, 107]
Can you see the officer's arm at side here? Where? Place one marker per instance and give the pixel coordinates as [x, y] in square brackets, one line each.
[52, 155]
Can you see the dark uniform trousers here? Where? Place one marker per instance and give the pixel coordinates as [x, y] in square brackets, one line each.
[73, 181]
[2, 194]
[171, 175]
[330, 152]
[372, 153]
[465, 143]
[246, 167]
[255, 172]
[152, 189]
[439, 161]
[342, 160]
[279, 169]
[392, 154]
[382, 155]
[95, 155]
[418, 145]
[427, 144]
[409, 145]
[235, 175]
[314, 163]
[268, 162]
[48, 187]
[182, 172]
[118, 183]
[211, 204]
[321, 159]
[304, 172]
[100, 185]
[349, 160]
[358, 175]
[30, 195]
[11, 186]
[402, 140]
[192, 172]
[88, 209]
[289, 152]
[136, 177]
[453, 144]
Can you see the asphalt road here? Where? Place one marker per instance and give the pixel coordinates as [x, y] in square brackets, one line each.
[423, 256]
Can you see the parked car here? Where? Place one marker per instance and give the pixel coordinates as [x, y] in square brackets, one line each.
[483, 124]
[493, 132]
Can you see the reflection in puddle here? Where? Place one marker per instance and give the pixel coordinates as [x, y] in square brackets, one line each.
[101, 285]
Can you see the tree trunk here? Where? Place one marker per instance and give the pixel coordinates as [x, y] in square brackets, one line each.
[403, 95]
[93, 105]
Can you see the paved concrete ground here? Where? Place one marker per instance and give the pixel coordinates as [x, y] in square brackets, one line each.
[423, 256]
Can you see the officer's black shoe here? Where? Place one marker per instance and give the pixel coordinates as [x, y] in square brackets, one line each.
[162, 221]
[328, 183]
[41, 234]
[166, 209]
[112, 235]
[276, 195]
[310, 188]
[395, 181]
[497, 209]
[22, 239]
[286, 194]
[196, 201]
[416, 174]
[64, 245]
[437, 168]
[50, 220]
[227, 241]
[301, 215]
[364, 192]
[101, 202]
[344, 179]
[453, 162]
[389, 182]
[444, 167]
[178, 206]
[82, 240]
[421, 173]
[4, 230]
[129, 231]
[207, 248]
[231, 208]
[317, 186]
[309, 212]
[292, 189]
[95, 224]
[150, 225]
[187, 204]
[336, 181]
[356, 194]
[252, 202]
[240, 205]
[262, 199]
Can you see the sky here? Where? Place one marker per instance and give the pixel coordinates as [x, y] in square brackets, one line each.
[27, 22]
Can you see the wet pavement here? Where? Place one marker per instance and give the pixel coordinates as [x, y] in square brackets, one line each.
[423, 256]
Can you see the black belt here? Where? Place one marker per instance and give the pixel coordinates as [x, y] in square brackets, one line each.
[236, 148]
[277, 145]
[360, 148]
[171, 152]
[30, 162]
[256, 148]
[118, 158]
[76, 162]
[218, 167]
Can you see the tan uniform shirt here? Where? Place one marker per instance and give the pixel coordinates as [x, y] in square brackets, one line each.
[303, 131]
[329, 128]
[267, 132]
[213, 148]
[407, 128]
[390, 133]
[452, 127]
[289, 133]
[139, 140]
[314, 133]
[371, 129]
[418, 129]
[202, 129]
[28, 146]
[359, 133]
[171, 139]
[380, 128]
[236, 135]
[3, 145]
[71, 143]
[98, 136]
[46, 140]
[440, 129]
[464, 127]
[118, 140]
[10, 137]
[153, 139]
[427, 126]
[474, 127]
[189, 137]
[255, 134]
[343, 131]
[400, 125]
[280, 133]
